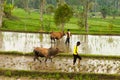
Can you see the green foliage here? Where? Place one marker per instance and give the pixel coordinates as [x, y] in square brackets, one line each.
[8, 9]
[31, 23]
[19, 3]
[4, 24]
[110, 26]
[8, 73]
[80, 23]
[104, 12]
[58, 75]
[47, 25]
[50, 8]
[63, 14]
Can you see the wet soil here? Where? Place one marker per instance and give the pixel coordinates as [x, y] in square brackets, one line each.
[62, 64]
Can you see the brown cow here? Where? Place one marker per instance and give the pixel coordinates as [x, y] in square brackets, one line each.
[45, 52]
[56, 35]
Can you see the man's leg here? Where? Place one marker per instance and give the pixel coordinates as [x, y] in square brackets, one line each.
[74, 60]
[79, 59]
[68, 40]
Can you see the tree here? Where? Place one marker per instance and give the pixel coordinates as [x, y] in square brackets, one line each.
[113, 8]
[1, 11]
[35, 4]
[60, 2]
[87, 6]
[26, 6]
[62, 15]
[86, 14]
[42, 5]
[8, 9]
[50, 9]
[104, 6]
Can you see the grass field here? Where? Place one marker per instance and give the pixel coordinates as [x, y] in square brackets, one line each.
[39, 75]
[23, 21]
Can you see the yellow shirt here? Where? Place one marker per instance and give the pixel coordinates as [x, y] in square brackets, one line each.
[75, 51]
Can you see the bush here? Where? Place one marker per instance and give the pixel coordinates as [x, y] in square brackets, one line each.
[8, 73]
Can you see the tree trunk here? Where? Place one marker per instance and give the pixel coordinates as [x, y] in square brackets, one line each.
[1, 12]
[62, 27]
[26, 6]
[113, 16]
[42, 5]
[86, 15]
[12, 2]
[0, 19]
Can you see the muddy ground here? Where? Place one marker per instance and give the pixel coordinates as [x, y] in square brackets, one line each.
[62, 64]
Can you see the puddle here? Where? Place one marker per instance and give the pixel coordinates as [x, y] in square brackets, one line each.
[62, 64]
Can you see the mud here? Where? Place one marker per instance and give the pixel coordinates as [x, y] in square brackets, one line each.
[62, 64]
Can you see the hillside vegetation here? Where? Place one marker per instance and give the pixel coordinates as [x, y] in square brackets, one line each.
[22, 21]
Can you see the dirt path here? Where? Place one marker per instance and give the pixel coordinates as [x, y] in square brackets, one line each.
[62, 64]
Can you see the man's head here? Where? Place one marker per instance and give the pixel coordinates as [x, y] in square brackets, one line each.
[78, 43]
[68, 30]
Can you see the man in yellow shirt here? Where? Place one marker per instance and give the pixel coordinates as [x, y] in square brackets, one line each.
[75, 53]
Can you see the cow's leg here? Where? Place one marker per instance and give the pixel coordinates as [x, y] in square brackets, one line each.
[51, 59]
[51, 40]
[36, 57]
[54, 40]
[46, 59]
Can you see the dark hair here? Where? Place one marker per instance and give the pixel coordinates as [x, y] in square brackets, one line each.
[68, 30]
[78, 43]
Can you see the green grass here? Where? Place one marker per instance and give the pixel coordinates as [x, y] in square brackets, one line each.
[31, 23]
[58, 75]
[61, 55]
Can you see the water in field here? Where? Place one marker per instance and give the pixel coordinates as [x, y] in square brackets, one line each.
[90, 44]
